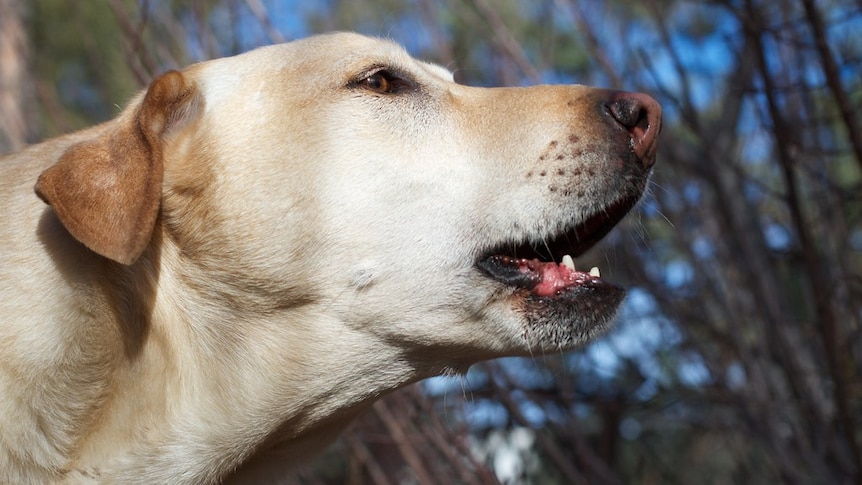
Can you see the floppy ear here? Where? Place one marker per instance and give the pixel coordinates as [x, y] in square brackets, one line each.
[107, 191]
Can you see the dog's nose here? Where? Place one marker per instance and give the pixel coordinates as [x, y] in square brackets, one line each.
[640, 115]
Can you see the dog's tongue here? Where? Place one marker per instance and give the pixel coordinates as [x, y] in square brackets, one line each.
[543, 279]
[556, 277]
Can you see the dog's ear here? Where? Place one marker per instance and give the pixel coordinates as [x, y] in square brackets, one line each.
[107, 191]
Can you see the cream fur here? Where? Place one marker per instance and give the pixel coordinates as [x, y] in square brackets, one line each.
[314, 248]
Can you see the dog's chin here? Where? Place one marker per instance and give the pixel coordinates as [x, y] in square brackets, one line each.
[557, 308]
[571, 317]
[560, 306]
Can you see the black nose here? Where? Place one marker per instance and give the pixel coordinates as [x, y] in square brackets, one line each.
[640, 115]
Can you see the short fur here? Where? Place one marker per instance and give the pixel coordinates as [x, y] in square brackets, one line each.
[260, 246]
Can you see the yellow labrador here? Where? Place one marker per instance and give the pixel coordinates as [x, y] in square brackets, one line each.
[260, 246]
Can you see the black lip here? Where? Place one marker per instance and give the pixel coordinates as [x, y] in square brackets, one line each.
[501, 269]
[604, 294]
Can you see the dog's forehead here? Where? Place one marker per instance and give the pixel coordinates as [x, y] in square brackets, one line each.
[350, 53]
[334, 59]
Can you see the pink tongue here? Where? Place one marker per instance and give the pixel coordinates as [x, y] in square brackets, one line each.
[555, 277]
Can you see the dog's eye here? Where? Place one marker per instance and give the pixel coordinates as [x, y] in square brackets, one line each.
[383, 82]
[378, 82]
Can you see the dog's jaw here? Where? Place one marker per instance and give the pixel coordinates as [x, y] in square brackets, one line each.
[561, 307]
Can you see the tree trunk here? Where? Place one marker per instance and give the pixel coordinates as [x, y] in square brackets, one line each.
[14, 74]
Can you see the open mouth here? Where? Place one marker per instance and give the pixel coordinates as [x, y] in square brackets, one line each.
[546, 268]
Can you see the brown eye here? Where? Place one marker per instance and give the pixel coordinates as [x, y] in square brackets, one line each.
[378, 82]
[383, 81]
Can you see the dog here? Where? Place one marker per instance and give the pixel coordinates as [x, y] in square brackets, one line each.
[212, 285]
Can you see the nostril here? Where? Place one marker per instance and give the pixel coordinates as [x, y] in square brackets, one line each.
[640, 115]
[629, 112]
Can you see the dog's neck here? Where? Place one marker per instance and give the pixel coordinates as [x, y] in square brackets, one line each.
[188, 346]
[147, 348]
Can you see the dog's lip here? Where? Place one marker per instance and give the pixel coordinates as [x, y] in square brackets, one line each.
[546, 268]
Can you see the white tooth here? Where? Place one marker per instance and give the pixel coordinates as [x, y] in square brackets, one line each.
[595, 272]
[568, 262]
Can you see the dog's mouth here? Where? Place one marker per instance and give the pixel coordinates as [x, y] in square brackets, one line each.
[546, 268]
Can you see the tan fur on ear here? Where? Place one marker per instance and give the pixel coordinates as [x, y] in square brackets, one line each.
[107, 191]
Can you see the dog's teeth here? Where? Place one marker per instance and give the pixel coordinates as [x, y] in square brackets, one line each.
[568, 262]
[595, 272]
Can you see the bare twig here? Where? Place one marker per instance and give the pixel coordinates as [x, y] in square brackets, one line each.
[378, 476]
[831, 340]
[833, 79]
[140, 62]
[575, 10]
[258, 9]
[402, 441]
[507, 41]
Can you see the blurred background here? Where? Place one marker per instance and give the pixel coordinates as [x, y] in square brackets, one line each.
[736, 358]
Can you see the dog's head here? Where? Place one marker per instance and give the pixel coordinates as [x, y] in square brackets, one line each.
[339, 173]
